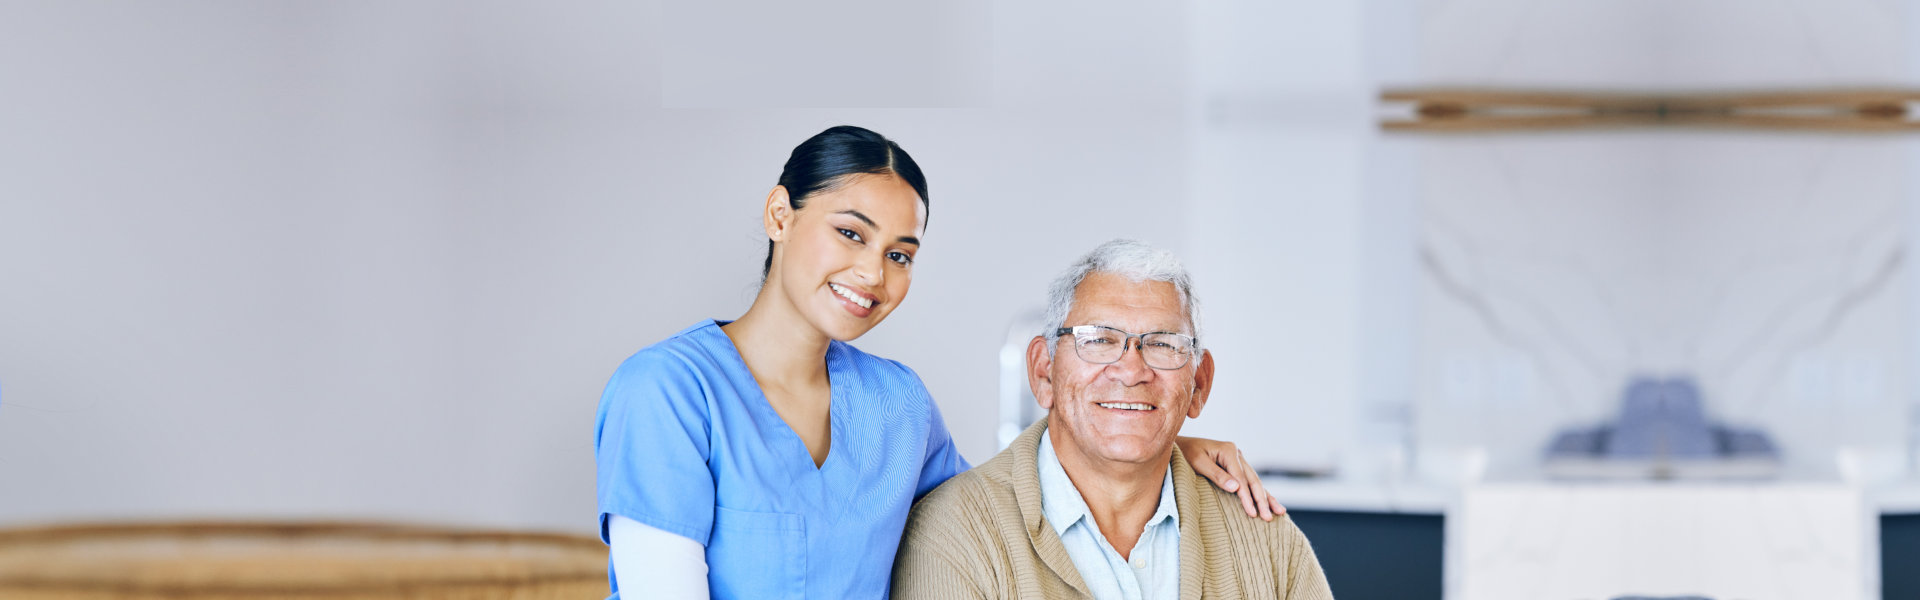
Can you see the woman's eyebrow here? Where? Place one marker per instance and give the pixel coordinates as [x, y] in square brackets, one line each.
[863, 218]
[905, 239]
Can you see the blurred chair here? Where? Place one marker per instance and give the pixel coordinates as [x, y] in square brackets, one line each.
[1662, 433]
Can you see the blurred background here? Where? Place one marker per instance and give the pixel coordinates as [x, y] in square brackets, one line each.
[364, 260]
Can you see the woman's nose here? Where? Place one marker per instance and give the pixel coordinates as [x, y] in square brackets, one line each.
[871, 269]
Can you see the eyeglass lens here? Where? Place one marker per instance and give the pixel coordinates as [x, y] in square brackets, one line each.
[1103, 346]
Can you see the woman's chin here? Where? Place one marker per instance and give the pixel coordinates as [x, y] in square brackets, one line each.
[849, 334]
[844, 328]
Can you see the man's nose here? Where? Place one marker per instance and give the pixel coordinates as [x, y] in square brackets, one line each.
[1132, 367]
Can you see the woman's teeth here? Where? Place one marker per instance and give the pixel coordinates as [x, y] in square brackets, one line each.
[1125, 406]
[848, 294]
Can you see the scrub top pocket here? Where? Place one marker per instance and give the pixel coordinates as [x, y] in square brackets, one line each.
[757, 555]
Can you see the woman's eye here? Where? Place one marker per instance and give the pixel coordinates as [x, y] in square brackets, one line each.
[900, 257]
[850, 235]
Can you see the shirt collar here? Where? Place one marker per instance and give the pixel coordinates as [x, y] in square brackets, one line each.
[1168, 510]
[1063, 505]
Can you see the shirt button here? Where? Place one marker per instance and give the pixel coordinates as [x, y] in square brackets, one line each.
[1140, 563]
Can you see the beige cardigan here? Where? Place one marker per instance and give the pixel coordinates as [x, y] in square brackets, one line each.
[982, 535]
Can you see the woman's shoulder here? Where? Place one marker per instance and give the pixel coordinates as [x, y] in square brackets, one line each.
[671, 380]
[880, 370]
[689, 351]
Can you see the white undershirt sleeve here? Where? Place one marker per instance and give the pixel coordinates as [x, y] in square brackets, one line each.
[651, 563]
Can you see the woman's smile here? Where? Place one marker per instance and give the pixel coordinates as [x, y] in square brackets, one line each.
[859, 303]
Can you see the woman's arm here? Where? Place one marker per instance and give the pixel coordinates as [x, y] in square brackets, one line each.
[662, 564]
[1224, 465]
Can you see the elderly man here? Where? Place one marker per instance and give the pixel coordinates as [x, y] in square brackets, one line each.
[1095, 501]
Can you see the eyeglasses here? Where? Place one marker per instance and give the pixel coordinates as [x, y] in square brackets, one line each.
[1101, 345]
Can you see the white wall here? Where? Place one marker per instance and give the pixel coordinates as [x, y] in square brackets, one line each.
[369, 260]
[373, 261]
[1766, 266]
[1282, 132]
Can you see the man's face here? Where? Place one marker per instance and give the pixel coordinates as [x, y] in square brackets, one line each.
[1084, 397]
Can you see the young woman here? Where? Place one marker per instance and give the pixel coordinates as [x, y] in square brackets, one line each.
[767, 458]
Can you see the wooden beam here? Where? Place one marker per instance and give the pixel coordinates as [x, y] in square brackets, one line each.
[1454, 110]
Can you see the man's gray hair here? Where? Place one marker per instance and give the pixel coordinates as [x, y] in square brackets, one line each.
[1133, 260]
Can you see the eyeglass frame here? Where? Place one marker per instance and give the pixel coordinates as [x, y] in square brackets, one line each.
[1193, 343]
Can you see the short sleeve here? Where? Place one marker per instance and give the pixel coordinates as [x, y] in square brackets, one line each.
[942, 460]
[651, 447]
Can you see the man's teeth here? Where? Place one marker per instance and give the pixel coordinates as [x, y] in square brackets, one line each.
[848, 294]
[1125, 406]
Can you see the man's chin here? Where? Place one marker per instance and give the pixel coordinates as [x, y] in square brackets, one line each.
[1131, 450]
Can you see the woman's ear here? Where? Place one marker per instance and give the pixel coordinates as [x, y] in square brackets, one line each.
[778, 216]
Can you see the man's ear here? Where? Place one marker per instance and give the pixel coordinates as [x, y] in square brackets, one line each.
[1040, 372]
[778, 216]
[1202, 384]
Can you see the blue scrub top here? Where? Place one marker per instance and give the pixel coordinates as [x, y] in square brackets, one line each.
[687, 443]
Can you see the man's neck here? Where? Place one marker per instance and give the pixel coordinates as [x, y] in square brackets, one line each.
[1121, 496]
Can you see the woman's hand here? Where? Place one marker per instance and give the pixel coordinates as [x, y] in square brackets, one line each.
[1222, 463]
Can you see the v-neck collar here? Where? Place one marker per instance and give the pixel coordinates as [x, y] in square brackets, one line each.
[839, 378]
[1196, 556]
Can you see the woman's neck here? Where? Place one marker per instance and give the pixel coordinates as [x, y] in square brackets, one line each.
[778, 345]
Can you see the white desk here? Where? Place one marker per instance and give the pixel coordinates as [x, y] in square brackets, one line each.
[1758, 541]
[1338, 495]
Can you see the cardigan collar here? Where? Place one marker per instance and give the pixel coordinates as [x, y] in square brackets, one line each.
[1195, 552]
[1064, 505]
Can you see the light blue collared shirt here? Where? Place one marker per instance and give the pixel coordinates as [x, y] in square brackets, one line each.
[1155, 569]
